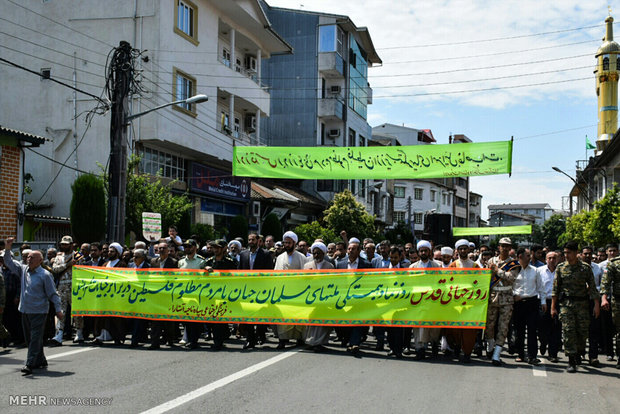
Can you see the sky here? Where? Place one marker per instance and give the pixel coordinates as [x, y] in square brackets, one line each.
[537, 57]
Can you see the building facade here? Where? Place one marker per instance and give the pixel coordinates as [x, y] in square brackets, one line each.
[185, 48]
[536, 213]
[320, 93]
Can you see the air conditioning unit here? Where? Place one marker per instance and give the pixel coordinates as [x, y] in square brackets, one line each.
[251, 63]
[333, 133]
[335, 89]
[250, 123]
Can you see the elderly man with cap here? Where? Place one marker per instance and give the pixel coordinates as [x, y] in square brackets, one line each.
[37, 290]
[63, 266]
[317, 336]
[220, 261]
[504, 271]
[290, 259]
[447, 253]
[425, 335]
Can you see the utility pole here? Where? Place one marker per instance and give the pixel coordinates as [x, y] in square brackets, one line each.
[120, 78]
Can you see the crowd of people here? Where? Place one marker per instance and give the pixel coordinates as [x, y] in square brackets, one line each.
[540, 300]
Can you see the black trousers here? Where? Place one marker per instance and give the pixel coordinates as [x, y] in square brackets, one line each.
[395, 339]
[549, 332]
[607, 332]
[594, 334]
[525, 316]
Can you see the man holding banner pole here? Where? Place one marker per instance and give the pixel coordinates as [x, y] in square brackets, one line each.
[504, 271]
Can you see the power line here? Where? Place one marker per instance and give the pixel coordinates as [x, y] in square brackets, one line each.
[555, 132]
[54, 80]
[58, 162]
[466, 42]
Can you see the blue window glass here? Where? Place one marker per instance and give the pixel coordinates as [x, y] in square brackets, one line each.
[327, 38]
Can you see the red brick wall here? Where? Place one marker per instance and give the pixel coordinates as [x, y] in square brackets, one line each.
[9, 190]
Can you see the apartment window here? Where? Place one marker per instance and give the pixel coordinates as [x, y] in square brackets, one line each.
[399, 192]
[418, 194]
[351, 142]
[186, 17]
[418, 218]
[225, 57]
[161, 163]
[362, 141]
[225, 123]
[331, 39]
[399, 216]
[184, 87]
[433, 195]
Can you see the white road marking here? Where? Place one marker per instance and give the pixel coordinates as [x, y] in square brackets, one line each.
[75, 351]
[539, 371]
[218, 384]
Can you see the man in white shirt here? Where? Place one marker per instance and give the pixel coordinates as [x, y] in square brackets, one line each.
[529, 291]
[549, 329]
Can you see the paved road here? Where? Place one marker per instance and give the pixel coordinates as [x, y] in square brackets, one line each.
[268, 381]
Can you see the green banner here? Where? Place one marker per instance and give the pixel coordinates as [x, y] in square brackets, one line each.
[414, 161]
[403, 297]
[484, 231]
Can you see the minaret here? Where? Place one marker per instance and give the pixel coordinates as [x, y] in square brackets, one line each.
[606, 73]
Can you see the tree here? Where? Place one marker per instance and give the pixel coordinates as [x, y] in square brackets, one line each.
[144, 194]
[400, 234]
[88, 208]
[238, 228]
[312, 231]
[346, 213]
[598, 226]
[552, 229]
[272, 226]
[204, 231]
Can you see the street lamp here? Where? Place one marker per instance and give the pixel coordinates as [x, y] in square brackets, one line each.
[585, 194]
[192, 100]
[118, 155]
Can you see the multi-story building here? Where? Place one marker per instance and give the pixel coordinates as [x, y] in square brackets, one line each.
[534, 213]
[320, 93]
[475, 210]
[186, 48]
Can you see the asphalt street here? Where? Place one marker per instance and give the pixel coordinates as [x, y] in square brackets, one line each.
[121, 379]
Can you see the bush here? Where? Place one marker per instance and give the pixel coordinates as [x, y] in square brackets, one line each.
[88, 209]
[204, 231]
[272, 226]
[238, 228]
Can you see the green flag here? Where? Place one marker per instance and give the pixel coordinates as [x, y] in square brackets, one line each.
[589, 145]
[484, 231]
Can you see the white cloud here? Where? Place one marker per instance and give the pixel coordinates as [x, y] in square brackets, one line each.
[400, 23]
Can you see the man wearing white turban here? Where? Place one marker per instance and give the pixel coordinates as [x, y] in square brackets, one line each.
[317, 336]
[290, 259]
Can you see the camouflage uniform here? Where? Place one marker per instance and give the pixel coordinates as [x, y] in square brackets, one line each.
[573, 287]
[610, 286]
[500, 302]
[61, 264]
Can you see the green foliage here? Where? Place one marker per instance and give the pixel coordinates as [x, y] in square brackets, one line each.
[145, 195]
[204, 231]
[88, 209]
[400, 234]
[598, 226]
[552, 229]
[346, 213]
[238, 228]
[312, 231]
[272, 226]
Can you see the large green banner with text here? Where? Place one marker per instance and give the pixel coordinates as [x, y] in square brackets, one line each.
[414, 161]
[483, 231]
[391, 297]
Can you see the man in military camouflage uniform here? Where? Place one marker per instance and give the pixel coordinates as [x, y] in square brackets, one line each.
[573, 286]
[610, 287]
[63, 266]
[500, 299]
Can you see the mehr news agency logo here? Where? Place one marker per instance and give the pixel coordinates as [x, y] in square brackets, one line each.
[44, 400]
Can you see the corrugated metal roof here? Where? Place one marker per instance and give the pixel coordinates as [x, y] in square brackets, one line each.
[23, 136]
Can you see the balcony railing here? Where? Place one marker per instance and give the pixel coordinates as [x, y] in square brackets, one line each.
[242, 137]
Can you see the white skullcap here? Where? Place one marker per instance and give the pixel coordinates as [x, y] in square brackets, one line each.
[354, 240]
[291, 236]
[424, 243]
[472, 245]
[460, 243]
[278, 244]
[319, 245]
[447, 250]
[235, 242]
[117, 247]
[26, 251]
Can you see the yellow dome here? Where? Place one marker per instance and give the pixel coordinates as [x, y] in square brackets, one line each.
[608, 47]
